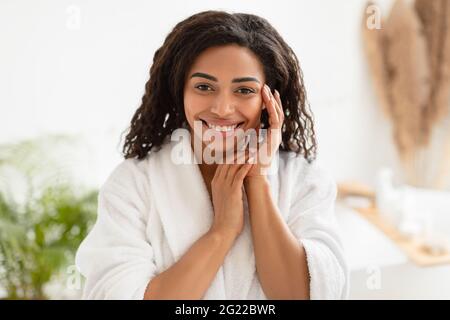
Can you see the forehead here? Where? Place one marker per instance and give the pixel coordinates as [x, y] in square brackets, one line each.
[227, 62]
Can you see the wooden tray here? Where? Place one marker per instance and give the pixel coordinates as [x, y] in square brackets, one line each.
[415, 249]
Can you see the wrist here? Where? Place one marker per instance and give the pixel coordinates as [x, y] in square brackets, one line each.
[222, 233]
[260, 180]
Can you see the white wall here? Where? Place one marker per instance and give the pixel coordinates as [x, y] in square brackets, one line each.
[88, 79]
[85, 74]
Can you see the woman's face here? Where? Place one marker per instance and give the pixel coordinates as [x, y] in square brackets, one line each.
[223, 92]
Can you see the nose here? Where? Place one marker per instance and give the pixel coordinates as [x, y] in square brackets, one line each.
[223, 106]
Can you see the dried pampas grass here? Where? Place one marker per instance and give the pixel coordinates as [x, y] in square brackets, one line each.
[409, 59]
[435, 19]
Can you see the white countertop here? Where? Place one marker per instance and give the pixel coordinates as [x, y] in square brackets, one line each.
[371, 255]
[364, 244]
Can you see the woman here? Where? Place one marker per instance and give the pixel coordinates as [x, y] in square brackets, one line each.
[247, 226]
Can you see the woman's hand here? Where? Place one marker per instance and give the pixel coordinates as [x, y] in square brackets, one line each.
[226, 189]
[263, 156]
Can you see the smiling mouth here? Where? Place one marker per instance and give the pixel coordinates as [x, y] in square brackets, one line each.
[229, 128]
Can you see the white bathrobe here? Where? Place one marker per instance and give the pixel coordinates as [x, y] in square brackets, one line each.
[151, 211]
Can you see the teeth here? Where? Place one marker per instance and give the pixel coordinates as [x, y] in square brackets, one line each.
[222, 128]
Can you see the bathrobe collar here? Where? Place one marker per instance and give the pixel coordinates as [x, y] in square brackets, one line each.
[182, 201]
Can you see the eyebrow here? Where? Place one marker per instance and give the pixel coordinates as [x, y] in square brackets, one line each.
[212, 78]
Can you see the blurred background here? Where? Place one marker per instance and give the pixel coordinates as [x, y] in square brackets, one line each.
[377, 78]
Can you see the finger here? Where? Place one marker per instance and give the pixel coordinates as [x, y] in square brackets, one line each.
[279, 106]
[277, 111]
[222, 171]
[233, 170]
[241, 159]
[253, 145]
[242, 156]
[226, 169]
[219, 173]
[240, 174]
[270, 104]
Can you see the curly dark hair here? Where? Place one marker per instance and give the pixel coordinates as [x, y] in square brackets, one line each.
[162, 108]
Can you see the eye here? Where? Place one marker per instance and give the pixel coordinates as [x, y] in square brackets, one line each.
[204, 87]
[246, 91]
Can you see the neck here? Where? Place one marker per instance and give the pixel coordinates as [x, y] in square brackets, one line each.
[207, 170]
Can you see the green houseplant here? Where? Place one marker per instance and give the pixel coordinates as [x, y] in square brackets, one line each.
[40, 232]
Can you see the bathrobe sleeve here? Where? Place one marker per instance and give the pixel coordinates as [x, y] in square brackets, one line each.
[312, 221]
[116, 258]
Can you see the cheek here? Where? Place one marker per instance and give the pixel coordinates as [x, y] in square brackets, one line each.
[252, 113]
[193, 105]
